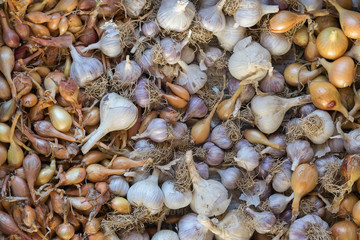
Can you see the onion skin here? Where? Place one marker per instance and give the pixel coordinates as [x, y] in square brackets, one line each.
[341, 71]
[350, 170]
[9, 227]
[347, 205]
[283, 21]
[344, 230]
[332, 43]
[303, 181]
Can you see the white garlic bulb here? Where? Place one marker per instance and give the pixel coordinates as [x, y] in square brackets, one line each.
[263, 221]
[150, 29]
[127, 72]
[276, 43]
[234, 226]
[249, 61]
[298, 229]
[134, 7]
[118, 186]
[210, 197]
[147, 193]
[165, 235]
[251, 11]
[191, 77]
[323, 130]
[134, 236]
[247, 158]
[176, 15]
[116, 113]
[212, 18]
[175, 199]
[258, 191]
[109, 43]
[190, 228]
[84, 69]
[230, 35]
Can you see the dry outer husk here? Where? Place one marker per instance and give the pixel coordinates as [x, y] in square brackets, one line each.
[315, 232]
[182, 177]
[97, 88]
[312, 126]
[135, 221]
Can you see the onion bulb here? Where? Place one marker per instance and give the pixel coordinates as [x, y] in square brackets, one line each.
[303, 181]
[344, 230]
[349, 21]
[332, 43]
[341, 72]
[284, 20]
[326, 97]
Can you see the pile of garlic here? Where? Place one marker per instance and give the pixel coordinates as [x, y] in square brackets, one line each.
[180, 120]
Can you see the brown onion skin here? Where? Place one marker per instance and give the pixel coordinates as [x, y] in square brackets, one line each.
[347, 205]
[29, 100]
[9, 227]
[10, 37]
[344, 230]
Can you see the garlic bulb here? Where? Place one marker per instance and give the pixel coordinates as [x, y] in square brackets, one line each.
[84, 69]
[265, 167]
[298, 229]
[249, 61]
[141, 93]
[174, 199]
[196, 108]
[220, 137]
[157, 131]
[351, 141]
[323, 163]
[150, 29]
[278, 202]
[209, 58]
[147, 64]
[109, 43]
[282, 180]
[127, 72]
[299, 152]
[251, 11]
[116, 113]
[176, 15]
[134, 7]
[234, 226]
[190, 228]
[210, 197]
[247, 158]
[229, 177]
[171, 50]
[191, 77]
[263, 221]
[147, 193]
[212, 18]
[134, 236]
[214, 155]
[269, 110]
[118, 186]
[318, 126]
[276, 43]
[230, 35]
[165, 235]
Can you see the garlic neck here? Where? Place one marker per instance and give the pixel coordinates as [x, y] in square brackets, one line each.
[297, 101]
[195, 177]
[183, 65]
[209, 225]
[220, 5]
[181, 5]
